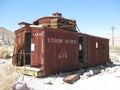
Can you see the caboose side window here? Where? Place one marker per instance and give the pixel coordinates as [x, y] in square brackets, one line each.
[97, 45]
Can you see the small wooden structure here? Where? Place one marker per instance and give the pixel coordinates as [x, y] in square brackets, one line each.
[36, 72]
[56, 21]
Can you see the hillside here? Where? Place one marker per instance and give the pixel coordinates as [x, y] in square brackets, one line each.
[6, 36]
[6, 33]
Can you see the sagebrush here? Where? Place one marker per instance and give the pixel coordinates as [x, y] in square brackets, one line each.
[4, 53]
[115, 49]
[8, 76]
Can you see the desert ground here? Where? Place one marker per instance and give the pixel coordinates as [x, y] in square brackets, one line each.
[102, 77]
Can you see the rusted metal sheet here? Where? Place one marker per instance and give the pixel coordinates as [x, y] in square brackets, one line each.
[36, 47]
[61, 49]
[95, 50]
[99, 50]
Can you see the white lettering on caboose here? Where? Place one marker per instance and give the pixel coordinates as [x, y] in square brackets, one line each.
[61, 41]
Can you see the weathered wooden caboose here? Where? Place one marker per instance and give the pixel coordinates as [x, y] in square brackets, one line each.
[52, 45]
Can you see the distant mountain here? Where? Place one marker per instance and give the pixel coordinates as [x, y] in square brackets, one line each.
[4, 33]
[7, 37]
[116, 39]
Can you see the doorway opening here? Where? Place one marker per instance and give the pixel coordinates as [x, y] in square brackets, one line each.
[81, 50]
[27, 48]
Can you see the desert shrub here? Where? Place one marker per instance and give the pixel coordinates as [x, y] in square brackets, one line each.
[8, 76]
[115, 49]
[4, 53]
[114, 52]
[113, 58]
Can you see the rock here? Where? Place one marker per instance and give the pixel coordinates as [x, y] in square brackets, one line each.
[2, 62]
[49, 82]
[108, 69]
[89, 73]
[102, 67]
[96, 71]
[102, 70]
[20, 86]
[83, 77]
[81, 71]
[117, 69]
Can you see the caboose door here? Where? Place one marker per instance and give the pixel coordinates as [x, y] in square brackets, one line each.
[27, 48]
[81, 50]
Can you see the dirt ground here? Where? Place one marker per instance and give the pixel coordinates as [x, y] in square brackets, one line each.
[107, 78]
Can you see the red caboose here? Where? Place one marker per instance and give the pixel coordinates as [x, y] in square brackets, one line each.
[52, 45]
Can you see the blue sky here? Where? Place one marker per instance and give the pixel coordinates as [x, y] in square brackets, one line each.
[94, 17]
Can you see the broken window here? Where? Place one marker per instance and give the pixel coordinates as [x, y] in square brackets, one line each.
[97, 45]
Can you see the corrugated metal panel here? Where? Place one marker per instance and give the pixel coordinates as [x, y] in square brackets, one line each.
[61, 49]
[36, 47]
[94, 55]
[98, 55]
